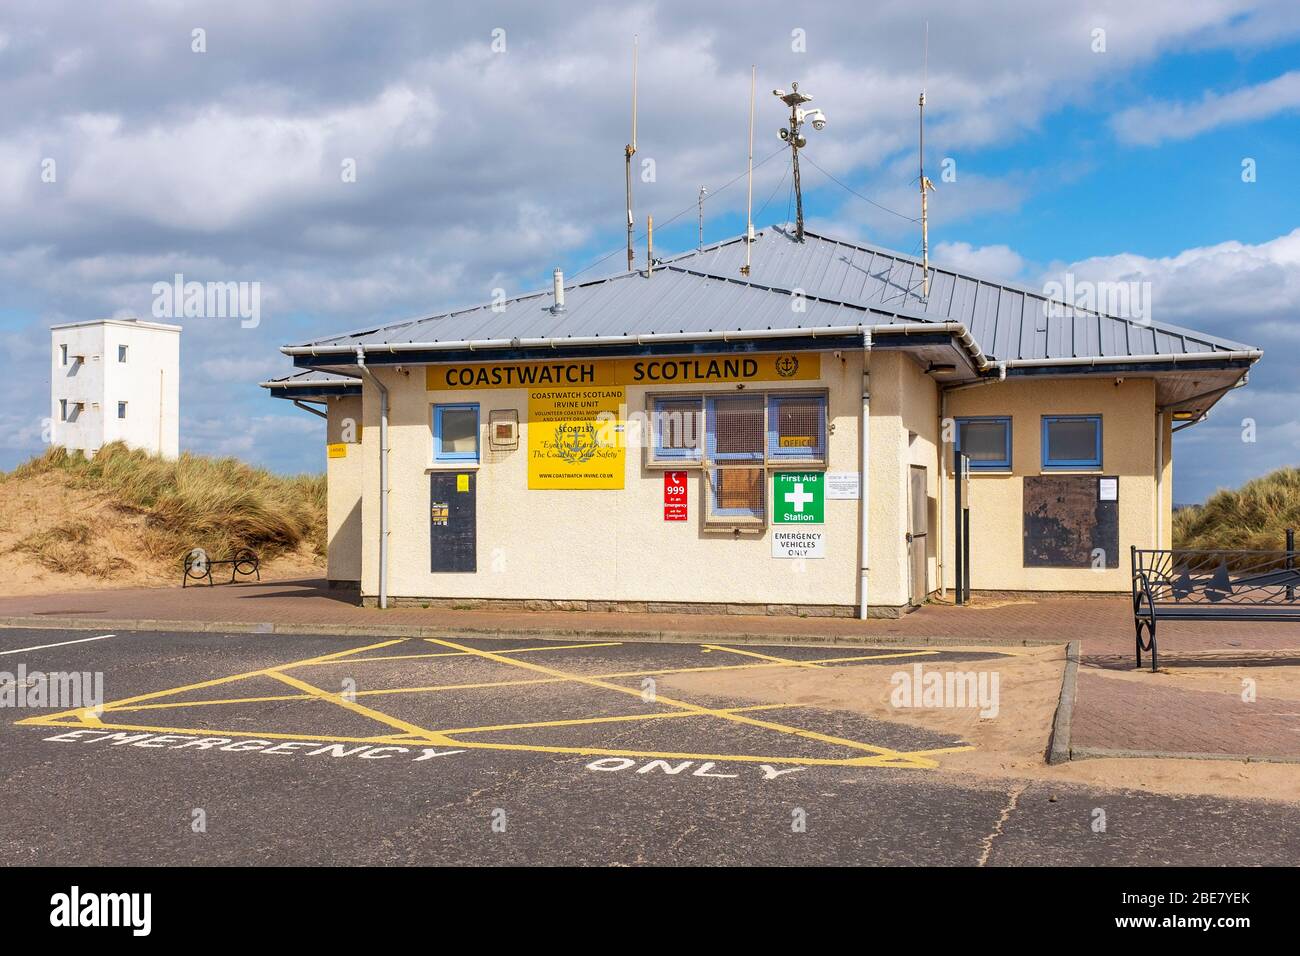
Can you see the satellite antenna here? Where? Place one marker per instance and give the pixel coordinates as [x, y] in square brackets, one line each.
[798, 116]
[926, 185]
[749, 205]
[628, 152]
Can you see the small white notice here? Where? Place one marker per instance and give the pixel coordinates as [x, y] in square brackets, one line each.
[843, 484]
[798, 543]
[1108, 489]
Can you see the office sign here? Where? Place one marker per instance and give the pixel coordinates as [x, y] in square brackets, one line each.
[575, 438]
[797, 497]
[590, 373]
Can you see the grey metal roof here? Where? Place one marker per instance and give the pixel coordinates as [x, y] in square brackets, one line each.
[309, 378]
[844, 284]
[1009, 322]
[312, 385]
[670, 301]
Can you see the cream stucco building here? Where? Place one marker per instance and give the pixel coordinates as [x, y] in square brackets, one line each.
[782, 442]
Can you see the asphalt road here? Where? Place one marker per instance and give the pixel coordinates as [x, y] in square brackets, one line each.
[427, 763]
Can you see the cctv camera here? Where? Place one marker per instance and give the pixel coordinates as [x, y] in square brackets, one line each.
[819, 124]
[784, 134]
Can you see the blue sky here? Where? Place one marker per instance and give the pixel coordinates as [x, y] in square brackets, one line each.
[481, 168]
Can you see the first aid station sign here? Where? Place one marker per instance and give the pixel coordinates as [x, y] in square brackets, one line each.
[798, 498]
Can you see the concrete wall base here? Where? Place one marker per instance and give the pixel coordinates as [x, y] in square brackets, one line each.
[632, 607]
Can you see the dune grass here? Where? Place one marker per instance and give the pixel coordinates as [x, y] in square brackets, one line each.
[218, 504]
[1254, 516]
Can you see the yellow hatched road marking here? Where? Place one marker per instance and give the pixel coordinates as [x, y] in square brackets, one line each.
[578, 721]
[685, 705]
[484, 685]
[412, 657]
[766, 657]
[265, 671]
[394, 722]
[868, 760]
[410, 733]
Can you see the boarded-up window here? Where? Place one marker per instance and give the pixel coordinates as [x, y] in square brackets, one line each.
[1071, 521]
[737, 492]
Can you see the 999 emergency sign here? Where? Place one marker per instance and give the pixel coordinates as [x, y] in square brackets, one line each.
[675, 495]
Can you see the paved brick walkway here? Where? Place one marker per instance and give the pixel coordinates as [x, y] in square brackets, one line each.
[1104, 625]
[1150, 715]
[1109, 714]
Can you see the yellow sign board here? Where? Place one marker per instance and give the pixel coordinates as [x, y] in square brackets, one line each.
[656, 370]
[337, 449]
[575, 438]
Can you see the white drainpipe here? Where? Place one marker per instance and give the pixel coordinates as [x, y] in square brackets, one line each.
[864, 484]
[1160, 470]
[383, 475]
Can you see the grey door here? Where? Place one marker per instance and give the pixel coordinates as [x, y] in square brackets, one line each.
[453, 532]
[918, 533]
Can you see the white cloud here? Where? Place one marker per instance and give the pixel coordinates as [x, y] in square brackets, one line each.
[478, 170]
[1237, 290]
[1156, 122]
[994, 262]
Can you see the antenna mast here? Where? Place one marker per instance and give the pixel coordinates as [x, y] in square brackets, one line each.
[749, 203]
[926, 185]
[700, 206]
[628, 152]
[798, 116]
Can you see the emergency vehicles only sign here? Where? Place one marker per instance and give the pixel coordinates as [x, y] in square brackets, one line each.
[798, 499]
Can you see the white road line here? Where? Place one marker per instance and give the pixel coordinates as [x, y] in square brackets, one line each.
[82, 640]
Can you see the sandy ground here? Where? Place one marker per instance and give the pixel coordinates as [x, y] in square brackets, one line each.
[1013, 744]
[116, 558]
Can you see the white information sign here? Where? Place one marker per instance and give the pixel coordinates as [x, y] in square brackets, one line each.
[843, 484]
[798, 543]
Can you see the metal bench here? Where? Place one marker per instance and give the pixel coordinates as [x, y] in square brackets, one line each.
[1212, 585]
[198, 566]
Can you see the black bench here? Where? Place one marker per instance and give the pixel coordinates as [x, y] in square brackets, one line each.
[1212, 585]
[198, 566]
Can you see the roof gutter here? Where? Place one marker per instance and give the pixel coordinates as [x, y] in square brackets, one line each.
[1222, 356]
[957, 329]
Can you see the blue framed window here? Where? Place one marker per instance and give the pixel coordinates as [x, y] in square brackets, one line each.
[986, 440]
[736, 435]
[455, 432]
[796, 427]
[735, 428]
[121, 409]
[678, 428]
[1071, 441]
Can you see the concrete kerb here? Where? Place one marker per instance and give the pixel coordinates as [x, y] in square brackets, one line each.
[506, 633]
[1058, 750]
[1080, 753]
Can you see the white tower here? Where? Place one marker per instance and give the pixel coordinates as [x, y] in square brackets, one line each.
[115, 380]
